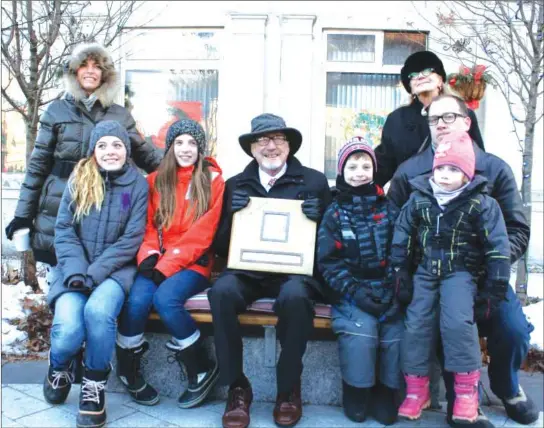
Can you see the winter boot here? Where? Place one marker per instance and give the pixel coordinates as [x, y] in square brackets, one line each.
[465, 407]
[355, 401]
[202, 373]
[92, 399]
[128, 372]
[521, 408]
[57, 384]
[385, 404]
[418, 397]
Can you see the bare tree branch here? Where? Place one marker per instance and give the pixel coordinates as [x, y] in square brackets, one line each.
[16, 106]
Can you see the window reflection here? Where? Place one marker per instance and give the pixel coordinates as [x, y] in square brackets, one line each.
[357, 104]
[158, 98]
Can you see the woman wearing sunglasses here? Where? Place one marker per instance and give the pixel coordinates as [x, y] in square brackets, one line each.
[406, 129]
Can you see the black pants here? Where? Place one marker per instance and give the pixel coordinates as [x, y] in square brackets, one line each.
[230, 295]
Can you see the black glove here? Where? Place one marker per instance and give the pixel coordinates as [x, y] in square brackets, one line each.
[390, 312]
[76, 281]
[313, 209]
[365, 301]
[157, 277]
[147, 265]
[240, 200]
[488, 300]
[474, 262]
[16, 224]
[80, 283]
[404, 286]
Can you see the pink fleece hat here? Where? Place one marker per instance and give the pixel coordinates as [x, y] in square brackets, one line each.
[354, 144]
[456, 149]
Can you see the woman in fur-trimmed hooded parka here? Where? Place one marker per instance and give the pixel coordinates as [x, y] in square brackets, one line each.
[91, 83]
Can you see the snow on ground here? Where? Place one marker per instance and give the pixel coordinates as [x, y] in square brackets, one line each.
[535, 315]
[535, 287]
[13, 296]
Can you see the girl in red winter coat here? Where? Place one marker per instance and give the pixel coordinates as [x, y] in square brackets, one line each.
[174, 263]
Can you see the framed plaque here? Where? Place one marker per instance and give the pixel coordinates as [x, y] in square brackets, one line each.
[272, 235]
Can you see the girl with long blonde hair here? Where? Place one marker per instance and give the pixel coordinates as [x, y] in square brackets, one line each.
[174, 263]
[100, 225]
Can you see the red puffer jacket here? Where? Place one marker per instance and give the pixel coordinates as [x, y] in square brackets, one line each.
[185, 242]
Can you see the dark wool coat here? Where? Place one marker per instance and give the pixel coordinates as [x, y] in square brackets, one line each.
[501, 186]
[354, 243]
[63, 139]
[471, 222]
[298, 182]
[104, 243]
[405, 131]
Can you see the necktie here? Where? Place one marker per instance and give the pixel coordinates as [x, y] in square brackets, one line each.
[271, 182]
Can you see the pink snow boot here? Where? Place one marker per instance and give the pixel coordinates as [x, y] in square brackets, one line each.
[418, 397]
[465, 407]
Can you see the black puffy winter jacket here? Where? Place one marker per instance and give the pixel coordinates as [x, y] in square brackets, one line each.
[472, 222]
[63, 139]
[501, 186]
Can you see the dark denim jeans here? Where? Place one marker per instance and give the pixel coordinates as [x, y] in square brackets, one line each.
[169, 301]
[508, 336]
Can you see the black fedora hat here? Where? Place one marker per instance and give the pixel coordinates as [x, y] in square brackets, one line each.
[266, 123]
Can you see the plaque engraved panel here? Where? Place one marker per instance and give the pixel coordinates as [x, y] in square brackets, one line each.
[272, 235]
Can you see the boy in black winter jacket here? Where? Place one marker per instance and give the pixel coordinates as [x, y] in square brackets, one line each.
[447, 215]
[354, 242]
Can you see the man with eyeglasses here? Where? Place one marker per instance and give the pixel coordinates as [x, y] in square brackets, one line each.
[405, 129]
[274, 172]
[507, 331]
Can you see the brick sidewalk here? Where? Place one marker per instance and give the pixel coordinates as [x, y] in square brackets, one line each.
[23, 406]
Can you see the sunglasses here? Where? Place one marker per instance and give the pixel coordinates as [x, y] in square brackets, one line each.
[425, 73]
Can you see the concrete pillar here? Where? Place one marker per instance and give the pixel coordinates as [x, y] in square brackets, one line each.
[296, 71]
[241, 86]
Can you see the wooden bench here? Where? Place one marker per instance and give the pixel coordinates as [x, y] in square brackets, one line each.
[248, 319]
[260, 313]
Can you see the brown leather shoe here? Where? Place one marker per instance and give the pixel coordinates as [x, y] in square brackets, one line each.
[237, 409]
[288, 409]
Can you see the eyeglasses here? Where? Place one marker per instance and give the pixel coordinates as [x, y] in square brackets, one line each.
[425, 73]
[279, 140]
[446, 118]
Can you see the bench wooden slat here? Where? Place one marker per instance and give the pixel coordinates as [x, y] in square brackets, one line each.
[249, 319]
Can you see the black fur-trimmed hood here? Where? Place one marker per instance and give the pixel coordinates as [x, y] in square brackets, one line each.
[110, 79]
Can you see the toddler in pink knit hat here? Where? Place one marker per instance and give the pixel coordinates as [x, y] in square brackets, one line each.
[449, 215]
[454, 164]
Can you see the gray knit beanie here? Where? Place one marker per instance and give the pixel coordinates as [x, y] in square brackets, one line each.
[108, 128]
[186, 126]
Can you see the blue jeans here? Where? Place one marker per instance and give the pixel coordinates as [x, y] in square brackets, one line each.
[169, 301]
[508, 336]
[82, 318]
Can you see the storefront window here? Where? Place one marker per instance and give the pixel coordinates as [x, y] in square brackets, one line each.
[351, 47]
[397, 46]
[357, 104]
[173, 74]
[363, 85]
[159, 98]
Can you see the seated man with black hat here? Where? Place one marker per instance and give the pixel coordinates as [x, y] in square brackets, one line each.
[274, 172]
